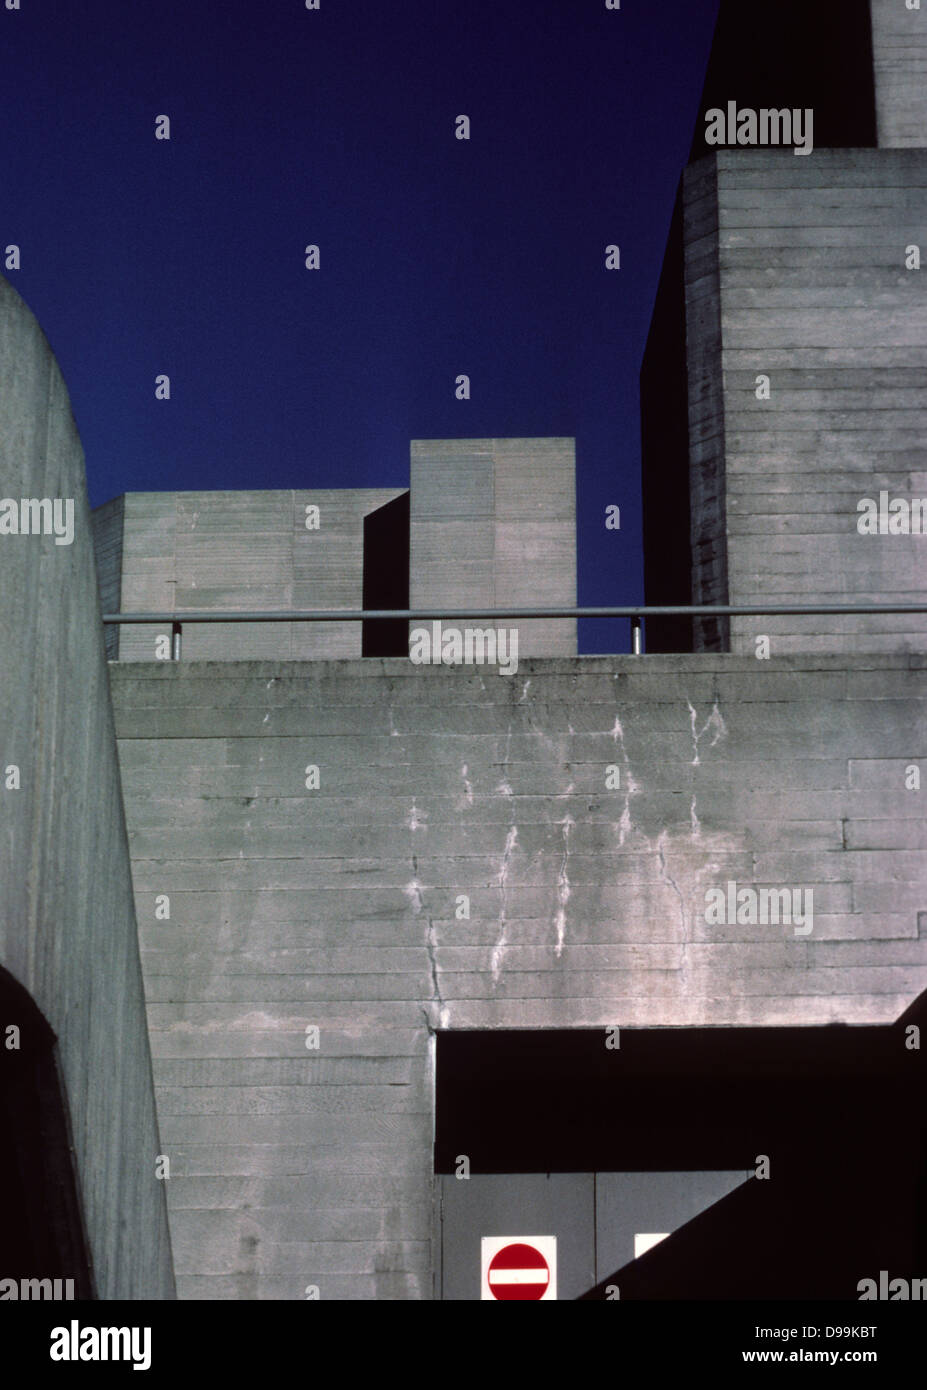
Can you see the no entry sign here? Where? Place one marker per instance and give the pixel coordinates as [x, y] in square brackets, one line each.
[519, 1267]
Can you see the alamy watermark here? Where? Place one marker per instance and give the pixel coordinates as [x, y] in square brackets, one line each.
[76, 1343]
[26, 1290]
[892, 1290]
[897, 517]
[453, 646]
[768, 126]
[38, 516]
[733, 906]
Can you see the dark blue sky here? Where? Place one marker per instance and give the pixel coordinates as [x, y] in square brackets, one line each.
[438, 256]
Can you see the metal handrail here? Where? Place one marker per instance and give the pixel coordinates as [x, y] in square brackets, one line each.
[636, 612]
[354, 615]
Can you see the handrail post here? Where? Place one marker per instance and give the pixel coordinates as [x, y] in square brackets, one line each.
[636, 635]
[176, 639]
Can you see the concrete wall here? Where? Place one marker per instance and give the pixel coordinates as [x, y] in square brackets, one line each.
[243, 550]
[899, 43]
[708, 482]
[67, 920]
[337, 907]
[664, 410]
[494, 522]
[107, 529]
[795, 268]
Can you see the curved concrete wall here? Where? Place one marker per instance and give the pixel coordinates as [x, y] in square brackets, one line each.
[67, 920]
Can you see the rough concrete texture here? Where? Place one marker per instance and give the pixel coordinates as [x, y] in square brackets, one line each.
[899, 50]
[493, 521]
[67, 919]
[806, 257]
[239, 550]
[341, 907]
[107, 526]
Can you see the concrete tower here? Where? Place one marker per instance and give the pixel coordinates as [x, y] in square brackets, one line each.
[784, 378]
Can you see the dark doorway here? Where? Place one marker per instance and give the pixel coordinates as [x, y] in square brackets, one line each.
[838, 1110]
[41, 1228]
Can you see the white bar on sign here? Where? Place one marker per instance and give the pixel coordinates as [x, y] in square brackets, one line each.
[519, 1276]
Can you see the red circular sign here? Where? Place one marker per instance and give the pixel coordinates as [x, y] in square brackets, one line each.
[518, 1271]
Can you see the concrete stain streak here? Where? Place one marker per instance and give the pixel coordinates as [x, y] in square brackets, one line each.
[255, 1022]
[628, 784]
[413, 891]
[716, 725]
[563, 886]
[504, 787]
[498, 951]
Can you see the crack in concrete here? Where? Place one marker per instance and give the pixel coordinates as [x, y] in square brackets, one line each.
[413, 891]
[683, 915]
[444, 1015]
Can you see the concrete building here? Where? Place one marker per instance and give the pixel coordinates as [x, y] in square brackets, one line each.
[493, 522]
[609, 949]
[783, 382]
[168, 551]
